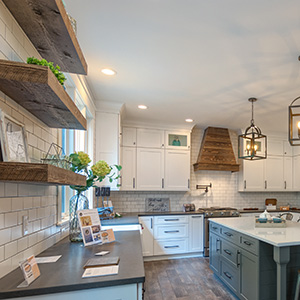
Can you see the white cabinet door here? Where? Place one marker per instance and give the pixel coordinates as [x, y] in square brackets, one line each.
[150, 169]
[196, 233]
[128, 172]
[253, 175]
[107, 142]
[177, 170]
[287, 149]
[129, 137]
[147, 235]
[275, 147]
[288, 173]
[296, 173]
[274, 173]
[150, 138]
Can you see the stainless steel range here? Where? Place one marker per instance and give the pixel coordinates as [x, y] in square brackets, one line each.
[215, 212]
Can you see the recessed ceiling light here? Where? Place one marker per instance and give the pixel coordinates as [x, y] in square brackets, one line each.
[189, 120]
[108, 72]
[142, 106]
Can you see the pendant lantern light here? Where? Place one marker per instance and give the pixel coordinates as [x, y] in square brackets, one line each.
[252, 144]
[294, 123]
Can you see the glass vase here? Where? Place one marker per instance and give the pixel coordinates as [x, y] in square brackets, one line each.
[77, 202]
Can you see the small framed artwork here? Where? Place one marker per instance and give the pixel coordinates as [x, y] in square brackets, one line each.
[12, 139]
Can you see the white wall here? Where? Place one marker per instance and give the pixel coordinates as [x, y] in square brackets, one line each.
[38, 202]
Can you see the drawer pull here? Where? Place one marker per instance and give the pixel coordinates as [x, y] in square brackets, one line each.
[214, 228]
[217, 245]
[238, 258]
[167, 220]
[247, 243]
[228, 234]
[167, 247]
[227, 251]
[196, 216]
[227, 275]
[171, 231]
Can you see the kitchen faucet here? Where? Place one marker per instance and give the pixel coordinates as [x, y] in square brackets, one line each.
[288, 217]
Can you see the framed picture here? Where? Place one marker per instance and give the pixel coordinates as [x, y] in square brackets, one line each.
[12, 139]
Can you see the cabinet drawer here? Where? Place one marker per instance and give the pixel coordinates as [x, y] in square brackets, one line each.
[249, 244]
[230, 235]
[169, 220]
[162, 247]
[230, 275]
[229, 251]
[170, 232]
[213, 227]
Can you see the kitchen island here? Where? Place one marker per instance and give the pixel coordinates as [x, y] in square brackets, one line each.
[63, 279]
[247, 258]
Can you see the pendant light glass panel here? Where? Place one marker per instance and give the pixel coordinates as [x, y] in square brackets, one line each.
[294, 123]
[252, 144]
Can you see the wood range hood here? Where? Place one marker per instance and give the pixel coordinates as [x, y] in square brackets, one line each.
[216, 151]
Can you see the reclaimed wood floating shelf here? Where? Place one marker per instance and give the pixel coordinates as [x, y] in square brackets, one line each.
[39, 173]
[37, 89]
[47, 25]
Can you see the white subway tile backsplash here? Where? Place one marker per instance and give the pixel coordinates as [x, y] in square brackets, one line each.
[5, 204]
[16, 204]
[1, 253]
[32, 239]
[10, 189]
[28, 202]
[5, 267]
[10, 249]
[32, 214]
[21, 214]
[16, 232]
[15, 260]
[11, 219]
[1, 221]
[5, 236]
[22, 244]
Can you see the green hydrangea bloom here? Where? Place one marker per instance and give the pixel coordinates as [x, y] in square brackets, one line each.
[101, 168]
[84, 158]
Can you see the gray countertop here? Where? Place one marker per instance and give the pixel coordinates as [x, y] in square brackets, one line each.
[65, 274]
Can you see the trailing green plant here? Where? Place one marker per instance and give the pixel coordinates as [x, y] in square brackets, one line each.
[43, 62]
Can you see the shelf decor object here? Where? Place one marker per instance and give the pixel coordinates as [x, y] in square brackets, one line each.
[47, 25]
[252, 144]
[294, 123]
[37, 89]
[13, 142]
[39, 173]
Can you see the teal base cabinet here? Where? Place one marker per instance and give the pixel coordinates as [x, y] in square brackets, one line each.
[245, 265]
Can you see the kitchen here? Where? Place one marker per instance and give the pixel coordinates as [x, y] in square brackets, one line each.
[39, 201]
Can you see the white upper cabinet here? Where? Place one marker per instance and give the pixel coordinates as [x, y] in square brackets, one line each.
[177, 170]
[150, 169]
[274, 175]
[253, 176]
[128, 172]
[288, 173]
[178, 140]
[128, 137]
[107, 142]
[287, 149]
[150, 138]
[275, 147]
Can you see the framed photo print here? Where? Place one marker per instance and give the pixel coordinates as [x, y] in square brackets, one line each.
[13, 139]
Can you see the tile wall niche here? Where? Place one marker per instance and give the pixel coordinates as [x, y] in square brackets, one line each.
[38, 202]
[223, 193]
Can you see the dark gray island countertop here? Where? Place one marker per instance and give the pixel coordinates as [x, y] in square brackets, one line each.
[65, 274]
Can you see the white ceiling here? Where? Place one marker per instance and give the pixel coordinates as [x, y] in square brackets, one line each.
[193, 59]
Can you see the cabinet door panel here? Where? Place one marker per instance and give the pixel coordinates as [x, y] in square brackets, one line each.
[129, 137]
[288, 173]
[296, 172]
[177, 170]
[147, 235]
[128, 172]
[196, 233]
[150, 169]
[274, 173]
[151, 138]
[254, 175]
[214, 252]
